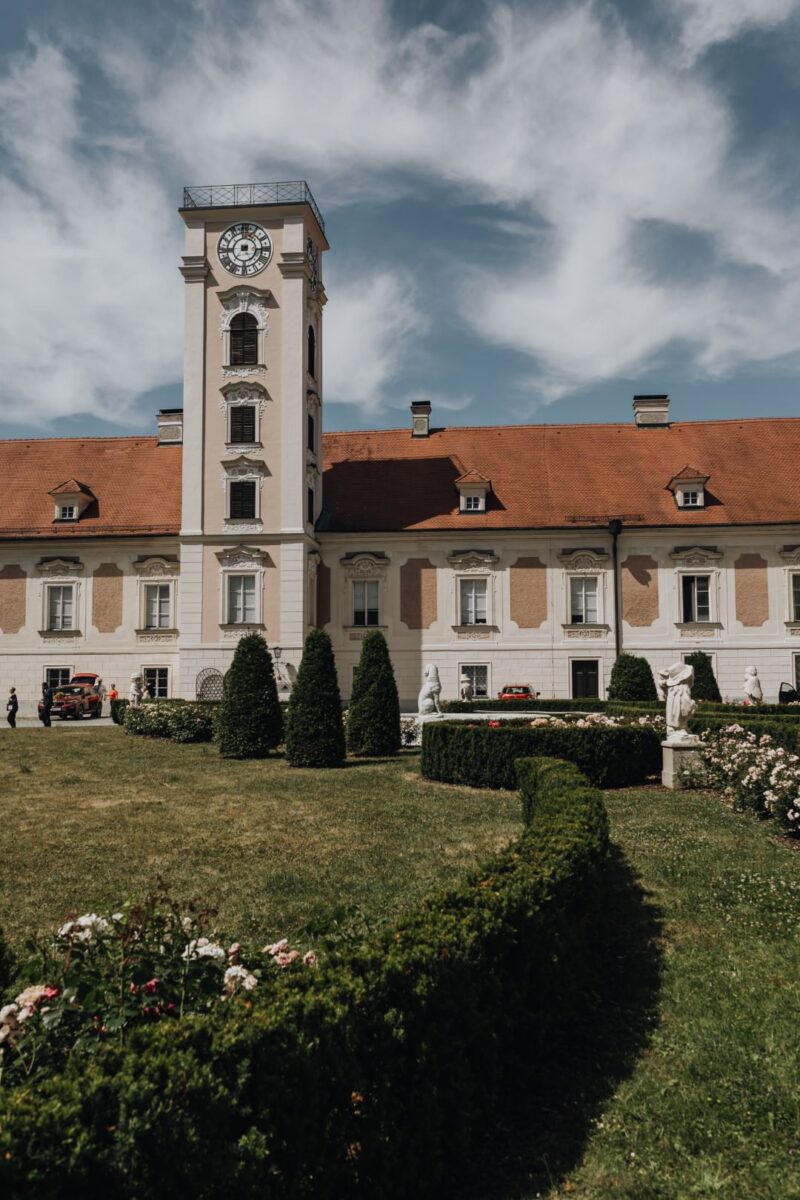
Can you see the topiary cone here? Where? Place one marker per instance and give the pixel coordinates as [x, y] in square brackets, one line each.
[314, 726]
[373, 718]
[249, 723]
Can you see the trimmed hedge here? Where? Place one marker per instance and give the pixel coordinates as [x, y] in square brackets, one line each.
[176, 720]
[783, 733]
[314, 724]
[249, 720]
[705, 686]
[482, 756]
[539, 706]
[632, 679]
[373, 715]
[370, 1077]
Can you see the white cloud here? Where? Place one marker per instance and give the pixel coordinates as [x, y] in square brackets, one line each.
[370, 324]
[581, 139]
[90, 311]
[704, 23]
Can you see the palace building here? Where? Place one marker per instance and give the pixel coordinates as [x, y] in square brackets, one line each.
[512, 554]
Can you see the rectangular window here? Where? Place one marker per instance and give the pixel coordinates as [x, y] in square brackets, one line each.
[66, 512]
[696, 597]
[472, 596]
[691, 499]
[473, 504]
[310, 432]
[157, 679]
[310, 505]
[59, 607]
[56, 677]
[242, 423]
[796, 597]
[156, 606]
[365, 602]
[241, 599]
[583, 600]
[242, 498]
[478, 675]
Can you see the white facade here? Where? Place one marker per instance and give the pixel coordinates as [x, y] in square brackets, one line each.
[504, 606]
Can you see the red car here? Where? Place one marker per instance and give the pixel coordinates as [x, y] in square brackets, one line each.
[517, 691]
[74, 700]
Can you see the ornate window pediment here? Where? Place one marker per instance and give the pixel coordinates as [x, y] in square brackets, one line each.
[59, 568]
[156, 567]
[696, 556]
[244, 392]
[465, 561]
[366, 564]
[790, 555]
[584, 560]
[243, 468]
[242, 558]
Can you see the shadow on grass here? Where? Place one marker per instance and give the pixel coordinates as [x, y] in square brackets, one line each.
[533, 1148]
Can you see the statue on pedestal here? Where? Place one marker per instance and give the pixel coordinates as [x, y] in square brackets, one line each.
[676, 683]
[428, 701]
[467, 690]
[752, 686]
[136, 691]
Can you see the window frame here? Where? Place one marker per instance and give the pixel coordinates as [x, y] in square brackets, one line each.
[237, 410]
[67, 512]
[794, 600]
[158, 584]
[473, 579]
[150, 667]
[62, 586]
[250, 357]
[583, 579]
[365, 584]
[467, 668]
[694, 619]
[232, 577]
[236, 488]
[70, 671]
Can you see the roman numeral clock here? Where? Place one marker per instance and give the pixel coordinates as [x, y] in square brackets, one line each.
[244, 249]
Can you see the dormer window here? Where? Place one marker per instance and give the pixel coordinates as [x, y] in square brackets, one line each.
[473, 488]
[688, 488]
[70, 499]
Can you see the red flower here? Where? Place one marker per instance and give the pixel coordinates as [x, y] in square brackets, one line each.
[151, 986]
[133, 989]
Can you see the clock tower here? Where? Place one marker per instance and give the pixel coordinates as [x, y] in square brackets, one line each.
[252, 465]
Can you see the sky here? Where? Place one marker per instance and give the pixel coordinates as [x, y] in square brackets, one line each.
[535, 210]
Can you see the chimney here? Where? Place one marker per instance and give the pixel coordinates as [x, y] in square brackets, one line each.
[170, 427]
[420, 418]
[651, 410]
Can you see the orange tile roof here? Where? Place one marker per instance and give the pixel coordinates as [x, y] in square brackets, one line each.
[136, 484]
[561, 476]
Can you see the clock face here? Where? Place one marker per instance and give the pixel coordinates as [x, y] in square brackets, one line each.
[244, 249]
[313, 261]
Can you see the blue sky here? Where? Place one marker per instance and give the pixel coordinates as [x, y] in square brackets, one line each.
[535, 210]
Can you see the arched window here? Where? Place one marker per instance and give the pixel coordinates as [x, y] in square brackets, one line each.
[312, 352]
[244, 340]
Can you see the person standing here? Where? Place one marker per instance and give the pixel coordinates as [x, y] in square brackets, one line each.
[12, 704]
[113, 694]
[47, 704]
[102, 692]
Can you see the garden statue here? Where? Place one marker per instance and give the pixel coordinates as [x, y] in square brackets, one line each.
[428, 701]
[467, 691]
[135, 694]
[676, 683]
[752, 686]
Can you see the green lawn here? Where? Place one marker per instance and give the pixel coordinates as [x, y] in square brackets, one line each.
[685, 1081]
[682, 1081]
[89, 818]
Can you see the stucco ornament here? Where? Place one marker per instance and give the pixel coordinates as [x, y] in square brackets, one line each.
[136, 690]
[467, 690]
[428, 701]
[676, 683]
[752, 686]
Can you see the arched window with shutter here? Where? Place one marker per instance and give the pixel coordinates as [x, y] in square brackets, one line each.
[312, 352]
[244, 340]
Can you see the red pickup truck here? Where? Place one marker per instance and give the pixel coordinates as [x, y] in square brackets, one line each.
[77, 698]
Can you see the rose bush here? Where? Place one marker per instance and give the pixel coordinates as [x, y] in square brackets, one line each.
[756, 774]
[100, 976]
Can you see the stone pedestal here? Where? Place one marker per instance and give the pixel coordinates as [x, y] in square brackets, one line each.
[679, 757]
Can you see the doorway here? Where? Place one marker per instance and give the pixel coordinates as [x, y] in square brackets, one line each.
[585, 679]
